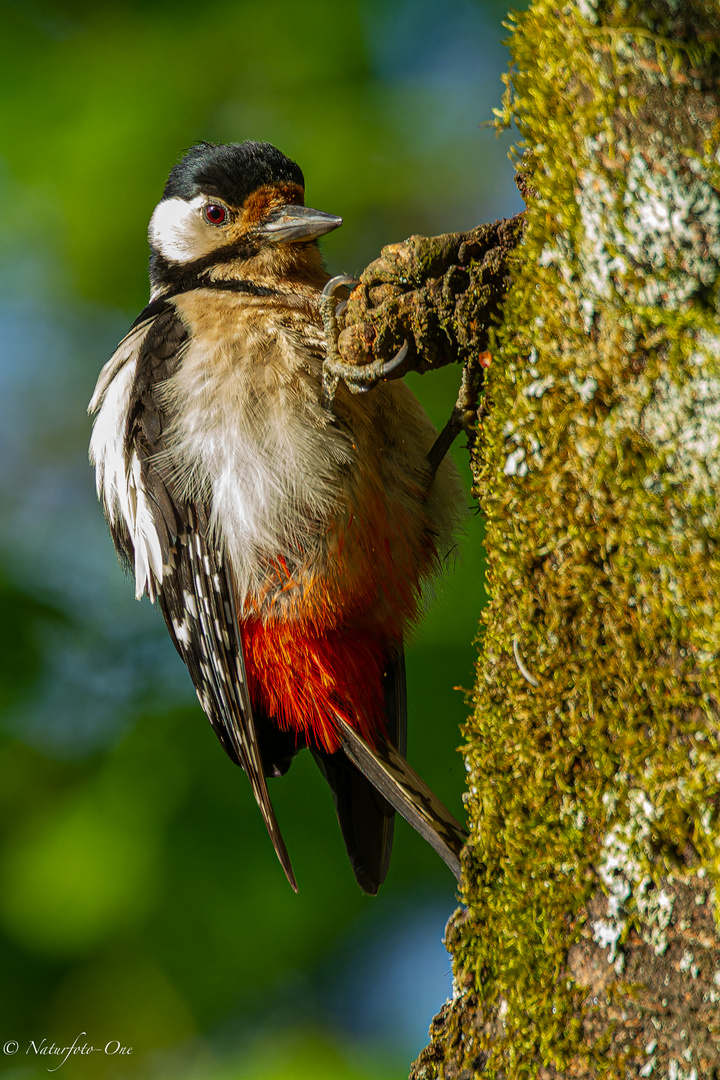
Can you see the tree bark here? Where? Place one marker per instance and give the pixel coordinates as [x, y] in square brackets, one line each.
[589, 943]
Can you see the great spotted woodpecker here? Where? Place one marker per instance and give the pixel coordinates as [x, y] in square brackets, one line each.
[285, 536]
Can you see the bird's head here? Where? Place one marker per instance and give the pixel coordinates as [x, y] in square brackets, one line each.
[226, 205]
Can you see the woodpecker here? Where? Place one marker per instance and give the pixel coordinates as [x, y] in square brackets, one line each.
[285, 534]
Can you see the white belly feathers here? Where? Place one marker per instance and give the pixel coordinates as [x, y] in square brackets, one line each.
[250, 437]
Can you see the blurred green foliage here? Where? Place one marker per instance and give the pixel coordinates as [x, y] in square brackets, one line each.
[21, 616]
[139, 896]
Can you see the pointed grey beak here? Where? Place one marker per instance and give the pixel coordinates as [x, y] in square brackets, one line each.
[292, 224]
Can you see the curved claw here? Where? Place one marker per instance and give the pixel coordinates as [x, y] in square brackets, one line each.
[337, 282]
[362, 377]
[366, 376]
[390, 367]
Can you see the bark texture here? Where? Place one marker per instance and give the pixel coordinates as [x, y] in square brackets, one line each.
[440, 294]
[589, 945]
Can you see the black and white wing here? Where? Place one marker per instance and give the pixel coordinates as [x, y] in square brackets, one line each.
[138, 508]
[164, 540]
[198, 602]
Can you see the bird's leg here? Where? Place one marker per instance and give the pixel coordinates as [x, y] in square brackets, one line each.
[357, 377]
[464, 414]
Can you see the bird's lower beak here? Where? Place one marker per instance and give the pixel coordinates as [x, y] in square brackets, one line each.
[292, 224]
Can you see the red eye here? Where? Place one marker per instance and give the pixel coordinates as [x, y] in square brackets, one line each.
[214, 214]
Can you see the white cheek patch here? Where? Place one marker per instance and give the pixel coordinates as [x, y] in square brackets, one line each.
[178, 232]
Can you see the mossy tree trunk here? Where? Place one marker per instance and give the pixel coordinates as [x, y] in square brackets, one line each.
[589, 946]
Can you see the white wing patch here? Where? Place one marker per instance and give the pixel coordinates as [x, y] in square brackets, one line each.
[117, 477]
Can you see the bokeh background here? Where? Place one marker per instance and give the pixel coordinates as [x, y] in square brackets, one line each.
[140, 900]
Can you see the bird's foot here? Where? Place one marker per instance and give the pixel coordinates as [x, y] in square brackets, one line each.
[357, 377]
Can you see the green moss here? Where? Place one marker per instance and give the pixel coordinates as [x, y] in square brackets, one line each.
[598, 472]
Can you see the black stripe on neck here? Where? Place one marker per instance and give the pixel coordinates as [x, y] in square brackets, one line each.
[183, 277]
[163, 272]
[235, 285]
[161, 303]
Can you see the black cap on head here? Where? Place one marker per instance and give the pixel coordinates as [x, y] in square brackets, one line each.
[230, 171]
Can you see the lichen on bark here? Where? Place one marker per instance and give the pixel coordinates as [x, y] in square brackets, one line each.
[589, 945]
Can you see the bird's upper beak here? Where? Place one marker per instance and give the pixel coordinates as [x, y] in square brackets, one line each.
[291, 224]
